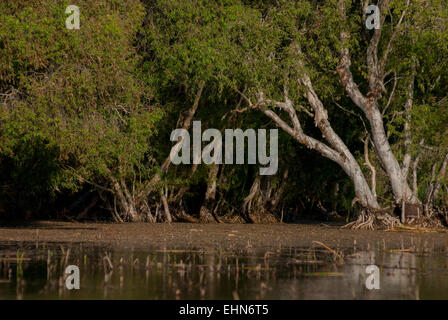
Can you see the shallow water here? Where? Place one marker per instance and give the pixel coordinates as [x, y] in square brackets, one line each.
[36, 271]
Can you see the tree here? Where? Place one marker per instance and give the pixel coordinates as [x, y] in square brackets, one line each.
[90, 111]
[283, 55]
[75, 111]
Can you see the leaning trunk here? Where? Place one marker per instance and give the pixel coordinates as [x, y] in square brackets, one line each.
[364, 195]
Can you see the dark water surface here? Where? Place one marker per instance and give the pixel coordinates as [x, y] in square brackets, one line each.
[36, 271]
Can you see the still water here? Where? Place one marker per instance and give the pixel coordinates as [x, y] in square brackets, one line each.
[36, 271]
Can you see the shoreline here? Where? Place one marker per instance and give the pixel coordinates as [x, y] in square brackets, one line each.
[189, 235]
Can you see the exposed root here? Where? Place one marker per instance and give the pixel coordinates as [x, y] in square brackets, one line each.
[388, 221]
[371, 220]
[264, 217]
[426, 222]
[207, 216]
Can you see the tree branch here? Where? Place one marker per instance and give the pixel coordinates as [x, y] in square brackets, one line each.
[388, 49]
[407, 125]
[369, 165]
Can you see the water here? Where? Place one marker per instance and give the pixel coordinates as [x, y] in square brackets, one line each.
[36, 271]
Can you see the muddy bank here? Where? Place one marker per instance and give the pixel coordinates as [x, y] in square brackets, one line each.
[140, 235]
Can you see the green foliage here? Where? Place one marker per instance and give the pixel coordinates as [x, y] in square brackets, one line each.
[76, 103]
[96, 105]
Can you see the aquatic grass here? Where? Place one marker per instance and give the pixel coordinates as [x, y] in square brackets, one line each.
[258, 273]
[401, 250]
[19, 268]
[324, 274]
[341, 259]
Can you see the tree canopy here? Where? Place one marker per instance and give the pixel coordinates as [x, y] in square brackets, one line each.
[86, 115]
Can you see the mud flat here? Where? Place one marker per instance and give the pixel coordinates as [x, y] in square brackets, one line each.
[184, 235]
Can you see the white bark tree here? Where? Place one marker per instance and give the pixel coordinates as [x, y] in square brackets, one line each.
[334, 148]
[369, 104]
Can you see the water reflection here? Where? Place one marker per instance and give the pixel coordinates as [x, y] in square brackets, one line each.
[36, 271]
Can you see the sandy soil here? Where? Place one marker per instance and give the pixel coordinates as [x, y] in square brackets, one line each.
[184, 235]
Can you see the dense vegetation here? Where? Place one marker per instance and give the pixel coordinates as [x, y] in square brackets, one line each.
[86, 115]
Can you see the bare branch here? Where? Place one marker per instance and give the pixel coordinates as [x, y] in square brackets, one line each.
[388, 49]
[304, 139]
[391, 94]
[296, 131]
[346, 77]
[407, 124]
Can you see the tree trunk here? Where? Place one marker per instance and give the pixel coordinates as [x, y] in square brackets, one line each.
[149, 186]
[435, 183]
[400, 187]
[206, 213]
[364, 195]
[166, 209]
[125, 200]
[275, 200]
[337, 151]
